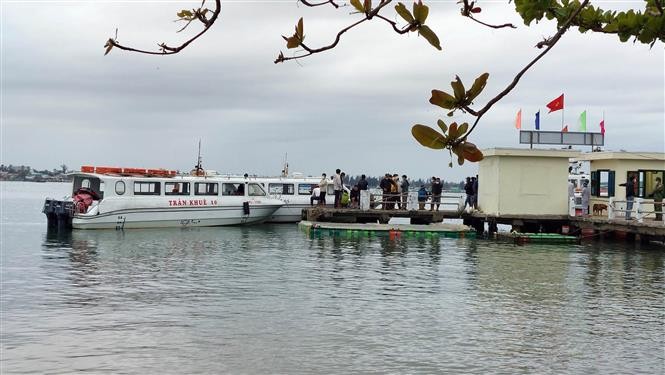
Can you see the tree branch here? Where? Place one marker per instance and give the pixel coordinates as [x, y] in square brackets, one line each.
[310, 51]
[551, 42]
[468, 10]
[309, 4]
[166, 50]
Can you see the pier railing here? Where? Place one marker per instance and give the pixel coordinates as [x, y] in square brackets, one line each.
[448, 201]
[638, 208]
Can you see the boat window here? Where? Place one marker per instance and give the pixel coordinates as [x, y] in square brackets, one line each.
[146, 188]
[306, 189]
[283, 189]
[255, 190]
[233, 189]
[120, 188]
[176, 188]
[92, 183]
[206, 188]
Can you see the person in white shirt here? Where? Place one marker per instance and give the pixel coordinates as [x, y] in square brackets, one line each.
[316, 196]
[323, 187]
[337, 186]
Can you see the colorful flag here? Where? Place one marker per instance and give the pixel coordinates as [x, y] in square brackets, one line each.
[602, 127]
[538, 120]
[555, 104]
[518, 120]
[565, 129]
[582, 121]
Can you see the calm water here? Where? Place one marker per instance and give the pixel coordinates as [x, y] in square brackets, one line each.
[269, 299]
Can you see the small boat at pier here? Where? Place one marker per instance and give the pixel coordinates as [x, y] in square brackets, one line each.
[120, 198]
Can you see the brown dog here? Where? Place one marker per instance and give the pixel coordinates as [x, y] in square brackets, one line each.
[598, 208]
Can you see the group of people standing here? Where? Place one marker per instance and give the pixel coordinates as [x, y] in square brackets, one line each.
[341, 197]
[434, 194]
[395, 191]
[471, 190]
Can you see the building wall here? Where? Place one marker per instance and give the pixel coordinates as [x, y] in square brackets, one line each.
[488, 181]
[528, 185]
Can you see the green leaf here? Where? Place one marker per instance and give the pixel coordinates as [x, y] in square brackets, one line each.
[185, 14]
[458, 89]
[442, 99]
[442, 125]
[300, 30]
[420, 12]
[428, 137]
[428, 34]
[453, 133]
[462, 129]
[477, 88]
[404, 13]
[359, 7]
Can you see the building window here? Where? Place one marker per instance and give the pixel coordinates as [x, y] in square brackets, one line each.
[120, 188]
[602, 183]
[255, 190]
[206, 188]
[176, 188]
[646, 181]
[281, 189]
[146, 188]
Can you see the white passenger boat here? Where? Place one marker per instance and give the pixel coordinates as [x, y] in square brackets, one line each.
[296, 192]
[108, 197]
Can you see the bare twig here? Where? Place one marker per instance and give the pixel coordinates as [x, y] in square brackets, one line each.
[309, 4]
[493, 26]
[310, 51]
[468, 10]
[167, 50]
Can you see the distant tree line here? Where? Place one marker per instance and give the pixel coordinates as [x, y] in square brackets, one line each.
[27, 173]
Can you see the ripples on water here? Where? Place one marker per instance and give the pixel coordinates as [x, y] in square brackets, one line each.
[271, 299]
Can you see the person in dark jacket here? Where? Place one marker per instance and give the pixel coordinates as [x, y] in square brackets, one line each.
[404, 185]
[630, 194]
[422, 197]
[475, 191]
[437, 188]
[658, 193]
[362, 184]
[355, 196]
[468, 189]
[385, 185]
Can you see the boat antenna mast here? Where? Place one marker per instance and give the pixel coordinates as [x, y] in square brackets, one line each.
[285, 171]
[199, 167]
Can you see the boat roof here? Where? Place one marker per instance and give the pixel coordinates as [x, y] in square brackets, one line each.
[180, 177]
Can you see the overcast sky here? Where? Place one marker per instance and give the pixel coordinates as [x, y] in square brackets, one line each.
[63, 101]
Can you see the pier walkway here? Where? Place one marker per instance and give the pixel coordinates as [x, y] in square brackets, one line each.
[646, 229]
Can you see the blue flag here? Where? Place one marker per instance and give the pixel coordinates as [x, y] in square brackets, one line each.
[538, 120]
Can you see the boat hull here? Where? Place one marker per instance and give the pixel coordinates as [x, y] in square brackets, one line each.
[175, 217]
